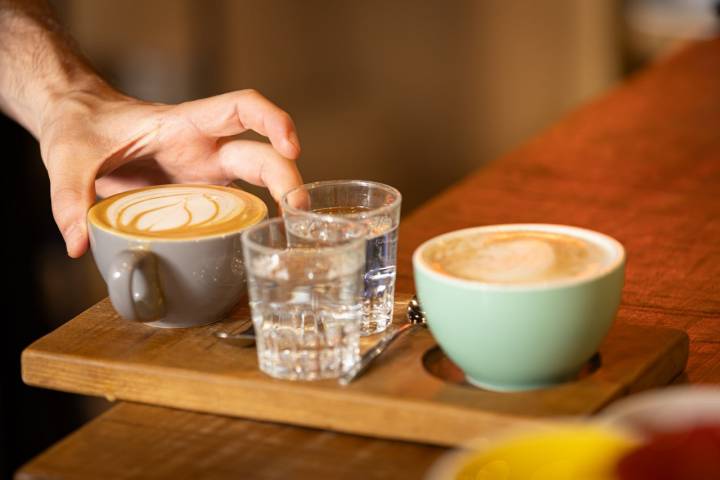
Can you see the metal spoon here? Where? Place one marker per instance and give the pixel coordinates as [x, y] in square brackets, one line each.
[416, 319]
[244, 339]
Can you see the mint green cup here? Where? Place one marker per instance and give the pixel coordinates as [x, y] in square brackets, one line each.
[510, 337]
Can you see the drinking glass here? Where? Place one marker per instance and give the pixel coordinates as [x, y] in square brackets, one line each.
[375, 205]
[305, 288]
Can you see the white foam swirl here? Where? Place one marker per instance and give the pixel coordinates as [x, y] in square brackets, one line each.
[513, 260]
[516, 257]
[173, 209]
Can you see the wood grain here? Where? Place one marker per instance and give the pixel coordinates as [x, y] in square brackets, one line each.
[99, 353]
[145, 442]
[641, 164]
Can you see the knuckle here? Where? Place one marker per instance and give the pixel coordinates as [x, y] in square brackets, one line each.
[286, 120]
[59, 153]
[58, 157]
[64, 206]
[252, 93]
[65, 197]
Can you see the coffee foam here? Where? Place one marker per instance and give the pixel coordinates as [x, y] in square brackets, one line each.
[179, 211]
[516, 257]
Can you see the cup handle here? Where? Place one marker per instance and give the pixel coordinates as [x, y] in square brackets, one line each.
[134, 286]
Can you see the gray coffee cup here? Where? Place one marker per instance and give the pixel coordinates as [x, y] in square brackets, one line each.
[169, 283]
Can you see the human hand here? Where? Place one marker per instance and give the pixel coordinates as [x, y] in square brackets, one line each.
[105, 142]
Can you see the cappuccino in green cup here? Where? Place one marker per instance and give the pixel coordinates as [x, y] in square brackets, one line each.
[519, 306]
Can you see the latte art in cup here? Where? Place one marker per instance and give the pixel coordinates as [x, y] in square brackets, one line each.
[179, 211]
[170, 254]
[519, 306]
[516, 257]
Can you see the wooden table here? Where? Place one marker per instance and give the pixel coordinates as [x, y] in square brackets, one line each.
[641, 164]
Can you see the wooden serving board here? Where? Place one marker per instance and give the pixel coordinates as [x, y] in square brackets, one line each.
[412, 392]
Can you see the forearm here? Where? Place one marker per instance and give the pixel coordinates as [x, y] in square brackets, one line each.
[38, 63]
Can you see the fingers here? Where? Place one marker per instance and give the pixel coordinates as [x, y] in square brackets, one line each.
[258, 163]
[71, 197]
[299, 199]
[235, 112]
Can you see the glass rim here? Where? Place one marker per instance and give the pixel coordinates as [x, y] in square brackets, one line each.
[347, 245]
[360, 215]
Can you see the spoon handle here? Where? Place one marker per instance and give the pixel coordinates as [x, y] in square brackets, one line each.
[367, 358]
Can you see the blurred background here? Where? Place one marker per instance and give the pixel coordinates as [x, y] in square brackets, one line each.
[413, 94]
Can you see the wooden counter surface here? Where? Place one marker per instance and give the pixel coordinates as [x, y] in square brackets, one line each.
[641, 164]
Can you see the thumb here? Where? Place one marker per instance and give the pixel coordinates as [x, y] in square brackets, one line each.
[71, 197]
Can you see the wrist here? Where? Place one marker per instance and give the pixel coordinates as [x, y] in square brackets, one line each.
[39, 64]
[80, 98]
[86, 89]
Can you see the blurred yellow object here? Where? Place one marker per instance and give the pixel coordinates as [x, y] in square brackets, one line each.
[569, 453]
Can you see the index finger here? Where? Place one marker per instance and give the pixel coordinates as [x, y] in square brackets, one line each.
[259, 164]
[235, 112]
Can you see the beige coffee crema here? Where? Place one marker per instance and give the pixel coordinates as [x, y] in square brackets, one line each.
[516, 257]
[179, 211]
